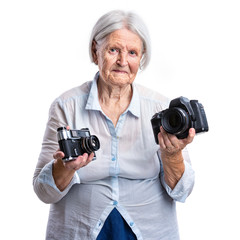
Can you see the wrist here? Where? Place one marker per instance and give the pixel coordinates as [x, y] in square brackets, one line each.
[172, 158]
[61, 175]
[173, 167]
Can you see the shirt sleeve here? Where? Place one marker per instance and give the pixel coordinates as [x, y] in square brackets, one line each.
[46, 188]
[43, 182]
[185, 185]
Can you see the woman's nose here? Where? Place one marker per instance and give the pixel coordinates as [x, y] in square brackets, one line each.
[122, 59]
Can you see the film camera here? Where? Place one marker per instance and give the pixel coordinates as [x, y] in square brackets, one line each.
[76, 142]
[181, 115]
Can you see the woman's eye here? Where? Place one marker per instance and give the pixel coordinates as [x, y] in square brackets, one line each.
[132, 53]
[113, 50]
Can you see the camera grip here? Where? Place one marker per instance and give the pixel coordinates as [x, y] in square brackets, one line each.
[66, 147]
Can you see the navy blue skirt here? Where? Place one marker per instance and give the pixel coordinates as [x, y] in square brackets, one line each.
[116, 228]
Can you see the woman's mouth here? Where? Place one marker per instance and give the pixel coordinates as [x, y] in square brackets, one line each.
[120, 71]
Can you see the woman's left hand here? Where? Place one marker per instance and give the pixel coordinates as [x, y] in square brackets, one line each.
[171, 155]
[171, 145]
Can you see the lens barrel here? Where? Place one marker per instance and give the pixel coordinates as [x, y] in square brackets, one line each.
[90, 144]
[175, 121]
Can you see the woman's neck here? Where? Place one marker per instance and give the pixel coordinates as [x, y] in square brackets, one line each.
[114, 100]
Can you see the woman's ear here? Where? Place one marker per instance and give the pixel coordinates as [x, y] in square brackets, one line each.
[94, 52]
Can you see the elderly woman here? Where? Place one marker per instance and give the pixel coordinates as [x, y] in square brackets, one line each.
[130, 190]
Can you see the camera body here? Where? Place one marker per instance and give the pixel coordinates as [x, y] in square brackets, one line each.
[76, 142]
[181, 115]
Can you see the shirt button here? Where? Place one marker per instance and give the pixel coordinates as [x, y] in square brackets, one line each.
[115, 202]
[131, 224]
[113, 159]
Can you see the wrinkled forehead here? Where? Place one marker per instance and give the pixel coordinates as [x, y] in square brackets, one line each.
[123, 38]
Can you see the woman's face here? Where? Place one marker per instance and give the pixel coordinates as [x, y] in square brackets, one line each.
[118, 57]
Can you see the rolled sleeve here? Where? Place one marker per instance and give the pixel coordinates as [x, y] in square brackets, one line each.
[46, 188]
[184, 186]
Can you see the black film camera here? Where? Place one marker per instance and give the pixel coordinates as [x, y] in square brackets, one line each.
[76, 142]
[181, 115]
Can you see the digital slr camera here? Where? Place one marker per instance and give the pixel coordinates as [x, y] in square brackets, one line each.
[76, 142]
[181, 115]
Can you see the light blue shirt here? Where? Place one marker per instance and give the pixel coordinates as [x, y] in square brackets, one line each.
[127, 173]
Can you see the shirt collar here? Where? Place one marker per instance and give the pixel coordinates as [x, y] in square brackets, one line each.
[93, 102]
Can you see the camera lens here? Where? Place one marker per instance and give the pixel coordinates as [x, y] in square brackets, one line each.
[90, 144]
[175, 121]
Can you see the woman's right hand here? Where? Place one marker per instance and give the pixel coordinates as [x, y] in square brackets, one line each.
[63, 172]
[79, 162]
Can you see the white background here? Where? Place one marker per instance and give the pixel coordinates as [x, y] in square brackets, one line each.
[195, 53]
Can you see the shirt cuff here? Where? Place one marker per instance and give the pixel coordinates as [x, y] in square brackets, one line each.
[184, 186]
[48, 186]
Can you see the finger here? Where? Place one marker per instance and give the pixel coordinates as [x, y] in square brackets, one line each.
[58, 155]
[166, 139]
[90, 158]
[86, 159]
[76, 164]
[161, 141]
[191, 135]
[173, 140]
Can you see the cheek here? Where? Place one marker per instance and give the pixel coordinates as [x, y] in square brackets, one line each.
[134, 65]
[104, 68]
[106, 64]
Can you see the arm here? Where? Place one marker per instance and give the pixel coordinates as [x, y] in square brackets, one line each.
[63, 172]
[52, 179]
[177, 172]
[56, 178]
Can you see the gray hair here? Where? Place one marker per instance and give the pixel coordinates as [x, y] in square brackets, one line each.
[116, 20]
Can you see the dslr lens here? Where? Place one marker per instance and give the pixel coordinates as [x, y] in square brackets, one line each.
[90, 144]
[175, 121]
